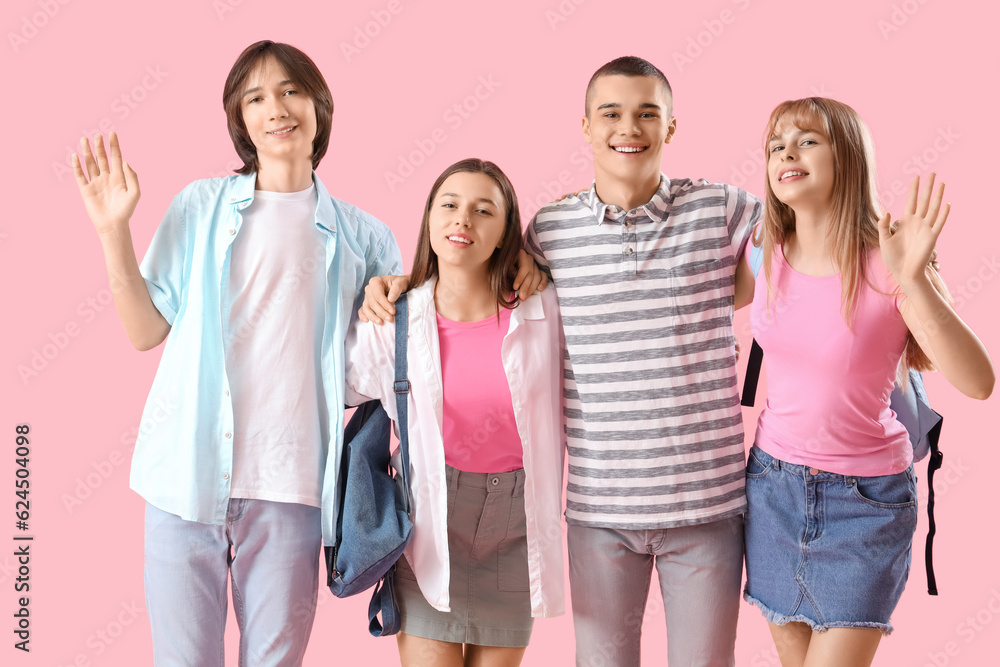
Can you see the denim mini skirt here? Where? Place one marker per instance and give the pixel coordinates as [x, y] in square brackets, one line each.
[825, 549]
[488, 549]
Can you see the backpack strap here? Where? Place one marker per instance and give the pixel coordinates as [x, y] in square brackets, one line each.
[753, 374]
[933, 463]
[923, 424]
[384, 601]
[756, 352]
[402, 387]
[383, 597]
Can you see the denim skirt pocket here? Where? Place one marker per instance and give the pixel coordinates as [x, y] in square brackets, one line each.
[758, 463]
[891, 492]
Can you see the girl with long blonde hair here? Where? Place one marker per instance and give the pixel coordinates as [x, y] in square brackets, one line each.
[848, 293]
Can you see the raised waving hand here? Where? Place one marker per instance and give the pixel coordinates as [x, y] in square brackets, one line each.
[111, 192]
[908, 243]
[907, 246]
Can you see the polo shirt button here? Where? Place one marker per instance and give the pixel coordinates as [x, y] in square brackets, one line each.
[225, 475]
[226, 392]
[232, 230]
[628, 251]
[229, 435]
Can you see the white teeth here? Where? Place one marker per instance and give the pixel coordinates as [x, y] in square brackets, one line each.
[460, 239]
[629, 149]
[282, 131]
[791, 173]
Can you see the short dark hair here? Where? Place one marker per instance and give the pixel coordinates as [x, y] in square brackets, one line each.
[300, 69]
[503, 263]
[626, 66]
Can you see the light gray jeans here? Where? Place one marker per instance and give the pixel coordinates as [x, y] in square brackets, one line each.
[700, 570]
[270, 549]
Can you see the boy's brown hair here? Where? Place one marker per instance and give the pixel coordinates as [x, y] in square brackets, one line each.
[300, 69]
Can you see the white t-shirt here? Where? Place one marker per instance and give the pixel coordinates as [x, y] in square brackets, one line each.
[274, 328]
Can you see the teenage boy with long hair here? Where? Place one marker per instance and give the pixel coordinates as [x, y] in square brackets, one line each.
[254, 277]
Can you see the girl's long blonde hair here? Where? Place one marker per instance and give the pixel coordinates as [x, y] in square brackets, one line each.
[855, 212]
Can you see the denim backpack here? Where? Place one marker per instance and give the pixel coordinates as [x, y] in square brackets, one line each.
[912, 409]
[373, 521]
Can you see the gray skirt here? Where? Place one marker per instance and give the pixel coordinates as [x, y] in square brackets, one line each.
[488, 546]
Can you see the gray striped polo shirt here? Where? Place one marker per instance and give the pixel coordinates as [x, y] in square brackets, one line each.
[650, 399]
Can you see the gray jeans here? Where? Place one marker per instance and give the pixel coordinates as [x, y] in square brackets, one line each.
[700, 569]
[271, 551]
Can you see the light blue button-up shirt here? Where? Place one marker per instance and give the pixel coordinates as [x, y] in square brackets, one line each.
[183, 457]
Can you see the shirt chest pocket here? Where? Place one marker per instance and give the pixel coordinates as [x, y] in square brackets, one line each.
[698, 290]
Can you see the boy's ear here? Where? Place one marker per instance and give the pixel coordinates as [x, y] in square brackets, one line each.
[586, 129]
[670, 132]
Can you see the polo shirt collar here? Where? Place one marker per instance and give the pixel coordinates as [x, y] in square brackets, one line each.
[656, 208]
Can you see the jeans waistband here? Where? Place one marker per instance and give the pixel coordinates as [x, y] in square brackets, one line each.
[810, 473]
[805, 472]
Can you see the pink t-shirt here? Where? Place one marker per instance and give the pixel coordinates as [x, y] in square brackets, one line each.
[480, 434]
[828, 385]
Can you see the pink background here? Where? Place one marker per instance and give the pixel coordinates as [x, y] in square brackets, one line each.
[921, 73]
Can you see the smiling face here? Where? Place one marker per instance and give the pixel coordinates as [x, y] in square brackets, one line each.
[800, 165]
[280, 119]
[629, 119]
[466, 221]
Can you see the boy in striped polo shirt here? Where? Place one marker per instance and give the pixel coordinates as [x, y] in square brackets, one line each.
[645, 270]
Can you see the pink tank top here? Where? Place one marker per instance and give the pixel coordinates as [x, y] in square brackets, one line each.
[480, 434]
[828, 385]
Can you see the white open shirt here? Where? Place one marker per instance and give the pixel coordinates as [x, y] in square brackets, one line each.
[532, 359]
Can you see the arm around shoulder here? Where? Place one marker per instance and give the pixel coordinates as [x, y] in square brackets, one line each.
[372, 240]
[745, 282]
[383, 264]
[744, 213]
